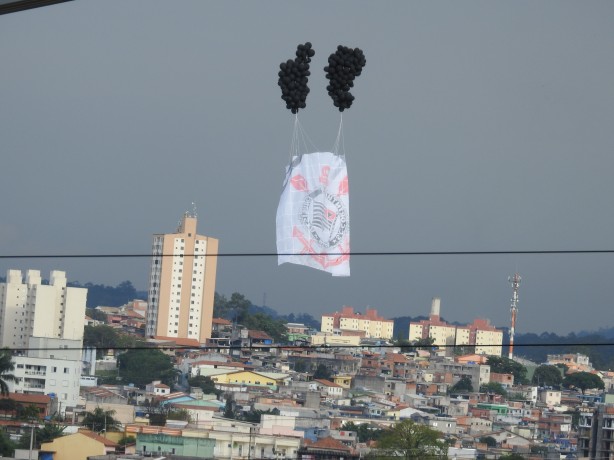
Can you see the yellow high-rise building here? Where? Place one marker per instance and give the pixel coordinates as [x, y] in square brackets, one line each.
[182, 283]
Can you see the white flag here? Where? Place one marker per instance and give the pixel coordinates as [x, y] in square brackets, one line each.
[313, 216]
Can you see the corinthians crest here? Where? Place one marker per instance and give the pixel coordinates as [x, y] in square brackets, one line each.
[315, 211]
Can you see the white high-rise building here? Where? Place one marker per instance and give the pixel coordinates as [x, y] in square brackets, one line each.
[182, 283]
[33, 309]
[43, 324]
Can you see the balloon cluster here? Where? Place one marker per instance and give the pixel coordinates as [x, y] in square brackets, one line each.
[344, 65]
[293, 78]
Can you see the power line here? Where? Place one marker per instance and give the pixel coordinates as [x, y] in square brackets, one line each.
[275, 254]
[154, 346]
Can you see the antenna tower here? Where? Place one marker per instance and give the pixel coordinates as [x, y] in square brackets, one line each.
[515, 282]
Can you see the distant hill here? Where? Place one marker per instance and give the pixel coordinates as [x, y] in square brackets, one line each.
[304, 318]
[100, 295]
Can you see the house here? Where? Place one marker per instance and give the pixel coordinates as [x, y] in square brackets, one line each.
[82, 444]
[344, 381]
[327, 388]
[157, 388]
[12, 404]
[250, 378]
[326, 449]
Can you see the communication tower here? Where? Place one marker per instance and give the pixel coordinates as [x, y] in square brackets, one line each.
[515, 282]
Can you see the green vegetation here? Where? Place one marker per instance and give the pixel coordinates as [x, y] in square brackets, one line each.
[125, 440]
[363, 431]
[493, 387]
[47, 433]
[513, 456]
[464, 385]
[104, 338]
[96, 314]
[7, 447]
[546, 375]
[489, 441]
[421, 344]
[322, 372]
[412, 441]
[6, 367]
[583, 381]
[204, 383]
[602, 356]
[502, 365]
[237, 309]
[101, 420]
[143, 366]
[109, 296]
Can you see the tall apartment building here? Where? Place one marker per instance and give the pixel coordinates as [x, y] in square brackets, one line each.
[596, 432]
[182, 283]
[486, 339]
[43, 324]
[347, 322]
[41, 310]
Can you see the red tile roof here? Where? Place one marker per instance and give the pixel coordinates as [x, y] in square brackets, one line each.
[259, 335]
[179, 341]
[221, 321]
[102, 439]
[327, 444]
[27, 398]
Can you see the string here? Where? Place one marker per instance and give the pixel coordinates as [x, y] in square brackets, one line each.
[339, 142]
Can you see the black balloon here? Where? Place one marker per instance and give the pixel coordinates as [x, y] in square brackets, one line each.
[344, 65]
[293, 78]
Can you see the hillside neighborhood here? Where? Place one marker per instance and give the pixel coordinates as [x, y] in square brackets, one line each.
[104, 390]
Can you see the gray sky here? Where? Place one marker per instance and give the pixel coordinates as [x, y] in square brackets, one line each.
[476, 126]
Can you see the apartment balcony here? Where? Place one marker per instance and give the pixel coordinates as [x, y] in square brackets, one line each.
[29, 372]
[34, 385]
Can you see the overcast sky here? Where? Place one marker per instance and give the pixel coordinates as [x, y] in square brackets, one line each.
[476, 126]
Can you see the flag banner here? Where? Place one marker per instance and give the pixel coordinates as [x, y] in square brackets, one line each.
[313, 216]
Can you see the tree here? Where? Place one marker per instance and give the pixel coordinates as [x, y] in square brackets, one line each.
[512, 456]
[583, 381]
[489, 441]
[239, 305]
[142, 366]
[363, 431]
[101, 420]
[322, 372]
[300, 365]
[6, 367]
[546, 375]
[205, 383]
[274, 327]
[7, 447]
[255, 415]
[502, 365]
[412, 441]
[464, 385]
[96, 315]
[29, 412]
[230, 407]
[47, 433]
[125, 440]
[101, 337]
[424, 344]
[178, 414]
[493, 387]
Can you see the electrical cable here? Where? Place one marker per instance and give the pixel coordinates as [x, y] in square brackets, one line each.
[154, 346]
[275, 254]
